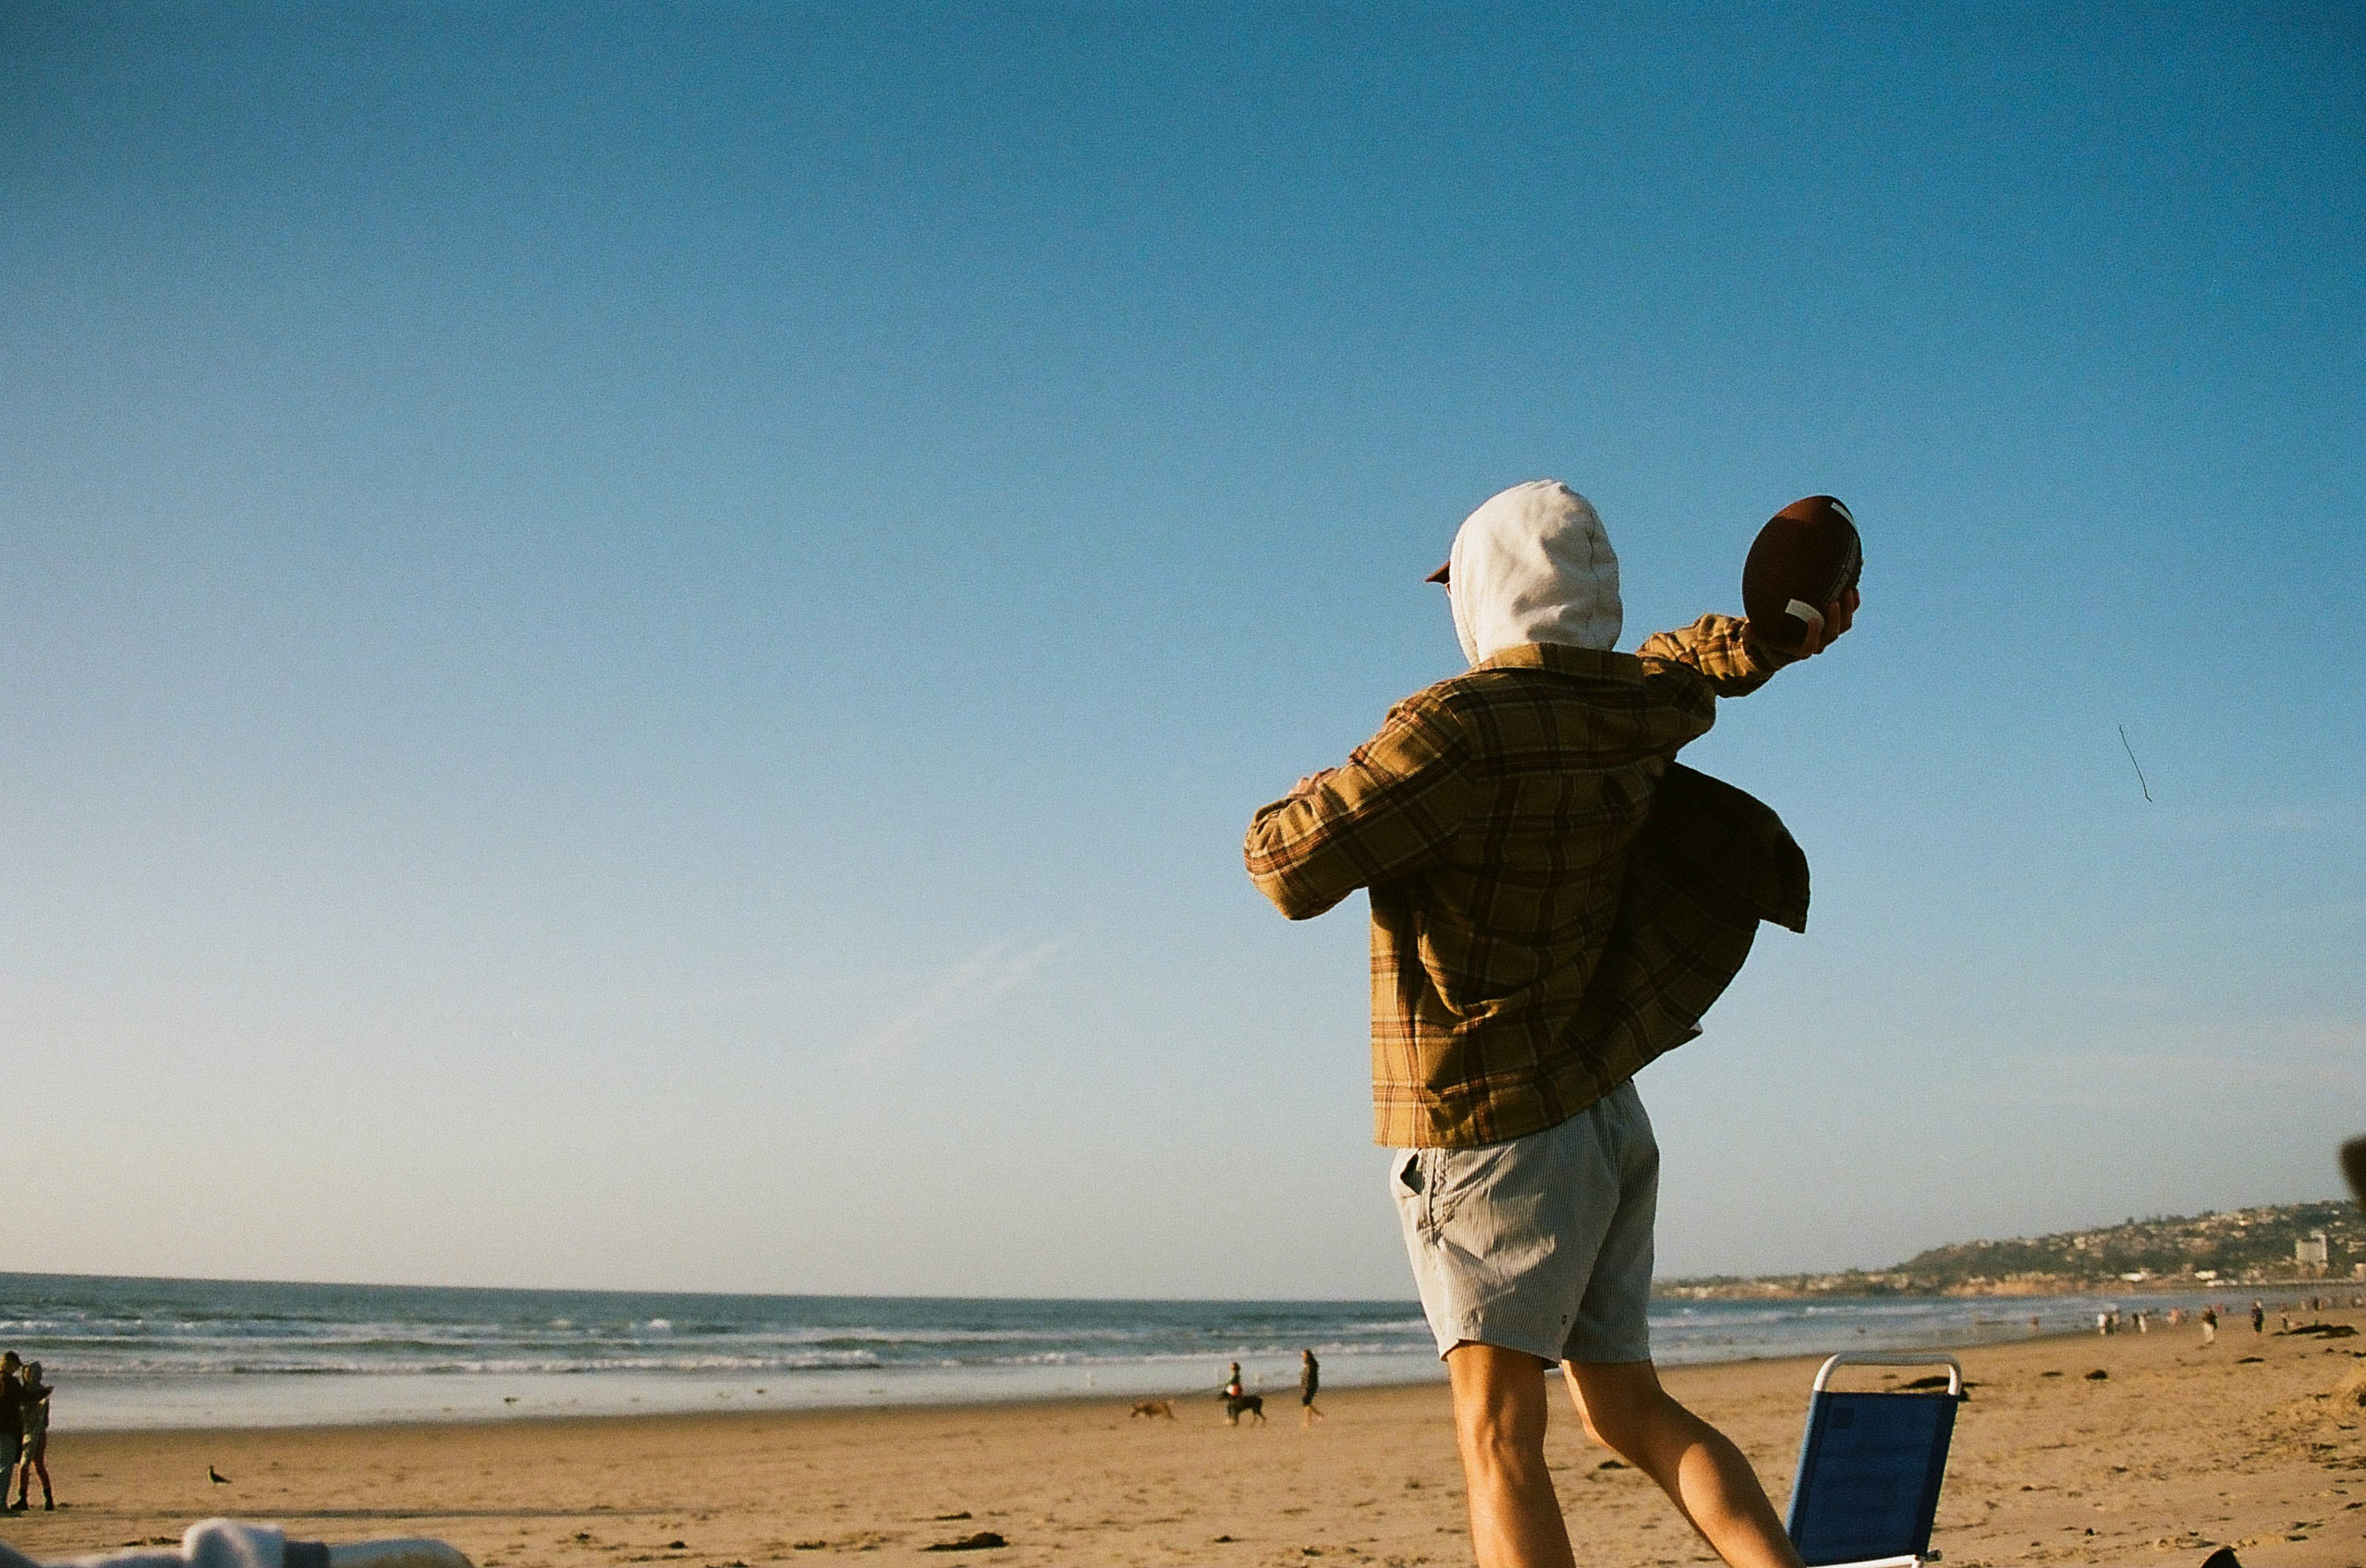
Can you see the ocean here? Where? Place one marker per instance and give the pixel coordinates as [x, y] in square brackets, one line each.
[132, 1353]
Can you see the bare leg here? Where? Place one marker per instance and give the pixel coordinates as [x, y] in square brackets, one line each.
[1704, 1474]
[1499, 1415]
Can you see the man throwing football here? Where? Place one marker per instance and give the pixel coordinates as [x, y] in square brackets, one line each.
[1554, 903]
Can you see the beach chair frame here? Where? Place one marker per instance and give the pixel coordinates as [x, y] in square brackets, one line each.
[1901, 1474]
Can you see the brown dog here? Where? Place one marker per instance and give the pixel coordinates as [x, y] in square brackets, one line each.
[1153, 1408]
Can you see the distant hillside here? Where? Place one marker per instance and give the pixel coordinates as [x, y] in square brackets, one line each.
[2247, 1246]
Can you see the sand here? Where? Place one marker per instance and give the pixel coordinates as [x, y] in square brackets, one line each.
[2179, 1449]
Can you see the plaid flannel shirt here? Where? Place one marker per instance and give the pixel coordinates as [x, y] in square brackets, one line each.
[1553, 902]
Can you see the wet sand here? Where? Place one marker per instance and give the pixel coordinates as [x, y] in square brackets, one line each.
[2178, 1450]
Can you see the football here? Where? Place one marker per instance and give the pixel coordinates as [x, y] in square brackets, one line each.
[1806, 557]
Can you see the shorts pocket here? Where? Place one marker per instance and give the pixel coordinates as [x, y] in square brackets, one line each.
[1457, 1177]
[1414, 1182]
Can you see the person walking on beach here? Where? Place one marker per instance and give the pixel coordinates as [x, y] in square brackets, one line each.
[1554, 903]
[2259, 1319]
[34, 1407]
[1309, 1378]
[2209, 1325]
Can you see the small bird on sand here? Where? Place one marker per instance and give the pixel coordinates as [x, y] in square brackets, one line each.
[216, 1477]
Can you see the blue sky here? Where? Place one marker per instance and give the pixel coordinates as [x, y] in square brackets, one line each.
[638, 640]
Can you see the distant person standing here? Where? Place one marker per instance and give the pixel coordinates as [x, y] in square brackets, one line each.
[2209, 1325]
[1309, 1378]
[33, 1417]
[2258, 1317]
[12, 1417]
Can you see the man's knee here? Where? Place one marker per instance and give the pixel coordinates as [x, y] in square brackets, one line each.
[1628, 1427]
[1500, 1425]
[1621, 1403]
[1499, 1403]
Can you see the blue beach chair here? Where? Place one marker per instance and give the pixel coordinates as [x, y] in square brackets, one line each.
[1870, 1468]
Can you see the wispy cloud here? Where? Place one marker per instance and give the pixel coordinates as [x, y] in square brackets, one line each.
[964, 991]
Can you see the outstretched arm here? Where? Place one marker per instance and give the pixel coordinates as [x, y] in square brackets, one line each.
[1727, 653]
[1391, 810]
[1720, 650]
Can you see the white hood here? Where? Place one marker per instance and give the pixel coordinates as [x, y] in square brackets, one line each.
[1533, 564]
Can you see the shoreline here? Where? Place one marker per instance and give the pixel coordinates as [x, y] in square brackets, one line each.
[1431, 1373]
[2176, 1450]
[1093, 1401]
[472, 1395]
[197, 1357]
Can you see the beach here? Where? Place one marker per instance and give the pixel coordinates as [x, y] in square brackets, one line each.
[2179, 1448]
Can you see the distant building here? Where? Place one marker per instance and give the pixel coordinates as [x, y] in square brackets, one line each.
[2309, 1251]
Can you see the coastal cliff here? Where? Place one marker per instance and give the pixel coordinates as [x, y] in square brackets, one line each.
[2263, 1247]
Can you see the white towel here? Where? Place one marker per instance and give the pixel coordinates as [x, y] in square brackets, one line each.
[210, 1543]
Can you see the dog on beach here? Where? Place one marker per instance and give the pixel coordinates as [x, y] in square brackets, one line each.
[1237, 1405]
[1153, 1408]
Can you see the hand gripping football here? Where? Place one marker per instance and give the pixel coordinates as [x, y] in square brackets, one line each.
[1805, 558]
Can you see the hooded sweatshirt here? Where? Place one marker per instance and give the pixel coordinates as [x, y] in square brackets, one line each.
[1532, 944]
[1533, 565]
